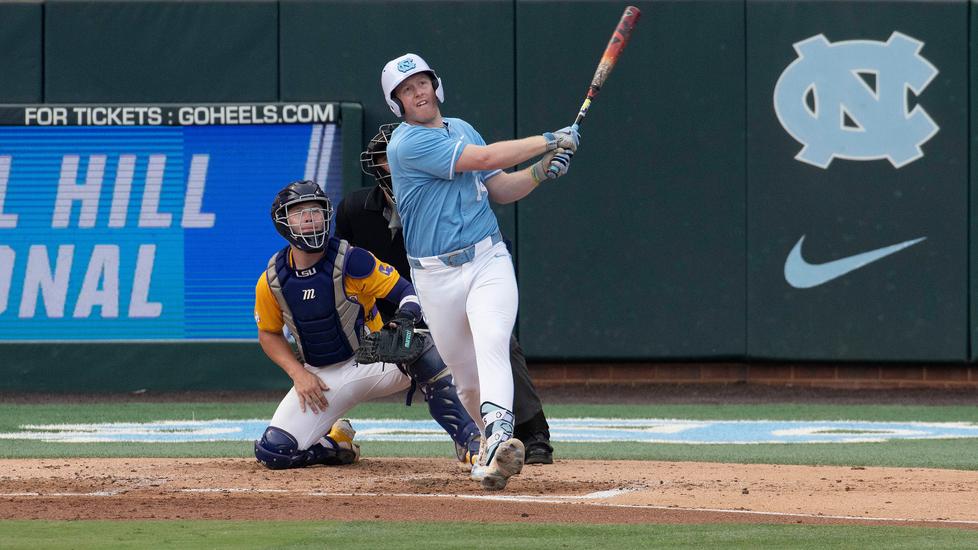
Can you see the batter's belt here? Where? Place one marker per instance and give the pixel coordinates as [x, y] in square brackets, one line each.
[458, 257]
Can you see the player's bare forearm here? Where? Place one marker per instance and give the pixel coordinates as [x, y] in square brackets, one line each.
[277, 348]
[308, 387]
[506, 187]
[501, 154]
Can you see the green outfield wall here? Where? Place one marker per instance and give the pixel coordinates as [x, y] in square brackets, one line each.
[758, 180]
[911, 305]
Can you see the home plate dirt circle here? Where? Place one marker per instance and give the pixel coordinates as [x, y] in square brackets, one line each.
[420, 489]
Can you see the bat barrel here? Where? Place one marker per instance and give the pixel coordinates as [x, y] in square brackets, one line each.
[619, 38]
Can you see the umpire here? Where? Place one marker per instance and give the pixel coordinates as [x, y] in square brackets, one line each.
[368, 218]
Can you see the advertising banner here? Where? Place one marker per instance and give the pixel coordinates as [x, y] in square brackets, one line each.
[148, 222]
[857, 180]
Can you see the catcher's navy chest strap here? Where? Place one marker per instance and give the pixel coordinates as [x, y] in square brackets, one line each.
[458, 257]
[314, 305]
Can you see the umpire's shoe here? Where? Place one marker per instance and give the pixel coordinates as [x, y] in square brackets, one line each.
[507, 462]
[538, 449]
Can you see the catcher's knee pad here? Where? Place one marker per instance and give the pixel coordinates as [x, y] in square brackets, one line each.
[278, 449]
[435, 381]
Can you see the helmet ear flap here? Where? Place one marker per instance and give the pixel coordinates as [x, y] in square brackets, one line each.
[439, 90]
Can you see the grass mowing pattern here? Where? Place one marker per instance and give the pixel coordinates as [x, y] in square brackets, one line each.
[190, 535]
[953, 453]
[12, 416]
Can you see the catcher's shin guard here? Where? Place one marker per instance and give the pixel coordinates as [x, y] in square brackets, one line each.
[435, 381]
[278, 450]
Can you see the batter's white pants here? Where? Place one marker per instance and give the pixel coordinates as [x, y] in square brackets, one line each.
[349, 384]
[471, 309]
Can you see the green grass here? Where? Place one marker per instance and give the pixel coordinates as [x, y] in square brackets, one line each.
[955, 454]
[949, 453]
[394, 536]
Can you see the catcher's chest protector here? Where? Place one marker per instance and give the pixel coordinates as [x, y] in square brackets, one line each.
[315, 308]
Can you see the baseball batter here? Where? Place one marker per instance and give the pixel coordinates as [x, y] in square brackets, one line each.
[368, 218]
[325, 291]
[444, 175]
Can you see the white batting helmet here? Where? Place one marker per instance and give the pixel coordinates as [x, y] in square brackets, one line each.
[397, 70]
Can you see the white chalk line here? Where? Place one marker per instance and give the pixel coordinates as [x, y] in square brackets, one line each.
[582, 499]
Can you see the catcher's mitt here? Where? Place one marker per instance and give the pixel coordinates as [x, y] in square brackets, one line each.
[400, 345]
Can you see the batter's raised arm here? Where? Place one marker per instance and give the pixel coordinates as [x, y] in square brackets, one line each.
[505, 188]
[504, 154]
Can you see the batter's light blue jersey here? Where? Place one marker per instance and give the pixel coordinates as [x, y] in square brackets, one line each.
[442, 210]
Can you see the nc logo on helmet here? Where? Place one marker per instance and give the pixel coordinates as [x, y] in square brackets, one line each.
[848, 100]
[406, 65]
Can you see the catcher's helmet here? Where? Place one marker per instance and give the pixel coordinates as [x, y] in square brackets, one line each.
[373, 165]
[307, 228]
[398, 70]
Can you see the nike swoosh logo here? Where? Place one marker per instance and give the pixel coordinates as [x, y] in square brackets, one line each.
[801, 274]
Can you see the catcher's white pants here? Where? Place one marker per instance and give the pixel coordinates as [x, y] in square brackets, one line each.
[470, 309]
[349, 384]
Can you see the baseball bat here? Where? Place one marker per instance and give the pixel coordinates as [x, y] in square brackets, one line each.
[619, 38]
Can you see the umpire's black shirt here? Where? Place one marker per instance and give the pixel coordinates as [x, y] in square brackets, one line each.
[363, 218]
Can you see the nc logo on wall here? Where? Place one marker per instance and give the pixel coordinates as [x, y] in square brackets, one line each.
[849, 100]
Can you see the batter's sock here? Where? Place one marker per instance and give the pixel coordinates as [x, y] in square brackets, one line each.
[499, 426]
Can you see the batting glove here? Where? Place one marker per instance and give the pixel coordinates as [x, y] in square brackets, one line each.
[539, 169]
[560, 164]
[551, 166]
[566, 138]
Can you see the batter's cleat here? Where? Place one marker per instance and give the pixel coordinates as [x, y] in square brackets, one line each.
[479, 468]
[507, 462]
[342, 434]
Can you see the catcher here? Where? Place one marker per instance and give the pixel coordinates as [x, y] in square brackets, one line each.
[324, 292]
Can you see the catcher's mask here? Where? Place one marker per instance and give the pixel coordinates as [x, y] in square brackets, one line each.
[302, 213]
[373, 160]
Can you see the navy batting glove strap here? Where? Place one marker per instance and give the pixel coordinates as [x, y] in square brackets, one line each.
[551, 140]
[559, 165]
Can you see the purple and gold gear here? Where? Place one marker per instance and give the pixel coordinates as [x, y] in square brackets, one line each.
[434, 380]
[306, 227]
[278, 450]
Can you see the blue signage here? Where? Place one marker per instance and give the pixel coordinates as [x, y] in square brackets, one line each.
[148, 232]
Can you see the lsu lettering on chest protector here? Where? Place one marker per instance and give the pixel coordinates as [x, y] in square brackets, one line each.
[315, 308]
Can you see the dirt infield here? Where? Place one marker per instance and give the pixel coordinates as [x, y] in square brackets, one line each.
[571, 491]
